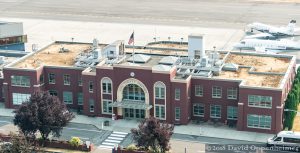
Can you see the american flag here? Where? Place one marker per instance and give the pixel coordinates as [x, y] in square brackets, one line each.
[131, 39]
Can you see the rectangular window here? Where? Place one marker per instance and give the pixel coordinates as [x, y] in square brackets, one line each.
[106, 87]
[160, 111]
[177, 113]
[232, 113]
[159, 92]
[22, 81]
[199, 90]
[51, 77]
[198, 109]
[19, 98]
[259, 121]
[53, 92]
[232, 93]
[80, 81]
[68, 97]
[177, 94]
[67, 79]
[215, 111]
[259, 101]
[92, 105]
[91, 86]
[107, 109]
[216, 92]
[80, 98]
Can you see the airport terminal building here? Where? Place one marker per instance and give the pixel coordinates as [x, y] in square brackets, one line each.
[175, 82]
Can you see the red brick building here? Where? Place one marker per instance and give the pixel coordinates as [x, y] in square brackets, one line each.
[176, 84]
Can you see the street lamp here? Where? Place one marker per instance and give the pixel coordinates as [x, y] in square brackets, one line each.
[290, 110]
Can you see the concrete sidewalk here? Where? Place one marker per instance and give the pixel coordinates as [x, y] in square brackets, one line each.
[206, 130]
[190, 129]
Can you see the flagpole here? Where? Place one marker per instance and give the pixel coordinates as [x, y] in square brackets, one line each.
[133, 48]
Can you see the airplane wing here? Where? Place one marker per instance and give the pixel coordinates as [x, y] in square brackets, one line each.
[260, 36]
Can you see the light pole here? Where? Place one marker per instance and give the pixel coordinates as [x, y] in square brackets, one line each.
[291, 110]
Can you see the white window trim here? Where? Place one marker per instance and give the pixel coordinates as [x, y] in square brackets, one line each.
[161, 86]
[20, 96]
[107, 81]
[212, 93]
[91, 90]
[237, 113]
[210, 115]
[71, 97]
[107, 107]
[67, 76]
[254, 127]
[179, 114]
[16, 85]
[93, 106]
[268, 107]
[203, 109]
[50, 82]
[177, 98]
[159, 105]
[232, 96]
[201, 87]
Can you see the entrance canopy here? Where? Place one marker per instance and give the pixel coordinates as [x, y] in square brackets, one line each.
[135, 104]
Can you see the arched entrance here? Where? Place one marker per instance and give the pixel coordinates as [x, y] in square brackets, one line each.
[135, 94]
[132, 99]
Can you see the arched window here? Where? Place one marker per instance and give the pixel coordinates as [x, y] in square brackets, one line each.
[160, 90]
[133, 92]
[106, 86]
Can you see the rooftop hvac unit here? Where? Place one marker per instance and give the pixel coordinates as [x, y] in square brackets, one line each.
[196, 46]
[204, 62]
[197, 54]
[95, 43]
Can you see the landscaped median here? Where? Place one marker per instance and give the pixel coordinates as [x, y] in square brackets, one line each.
[74, 144]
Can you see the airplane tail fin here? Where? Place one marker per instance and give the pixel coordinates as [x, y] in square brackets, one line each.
[291, 26]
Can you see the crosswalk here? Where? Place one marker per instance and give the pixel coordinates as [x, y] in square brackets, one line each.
[113, 140]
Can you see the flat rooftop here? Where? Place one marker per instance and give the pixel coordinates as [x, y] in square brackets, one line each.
[255, 70]
[262, 70]
[51, 55]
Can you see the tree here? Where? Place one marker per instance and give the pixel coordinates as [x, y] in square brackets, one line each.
[43, 113]
[153, 135]
[292, 102]
[17, 144]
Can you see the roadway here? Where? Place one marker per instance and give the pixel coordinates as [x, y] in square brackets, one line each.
[213, 13]
[209, 144]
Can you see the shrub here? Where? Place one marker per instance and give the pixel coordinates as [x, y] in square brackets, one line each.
[131, 147]
[75, 141]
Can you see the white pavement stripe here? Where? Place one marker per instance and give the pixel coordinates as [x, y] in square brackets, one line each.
[82, 129]
[114, 141]
[117, 135]
[105, 147]
[120, 133]
[109, 144]
[115, 138]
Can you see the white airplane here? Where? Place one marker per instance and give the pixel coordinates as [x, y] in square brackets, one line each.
[270, 46]
[289, 30]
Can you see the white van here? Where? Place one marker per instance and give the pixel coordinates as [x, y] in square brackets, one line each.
[286, 139]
